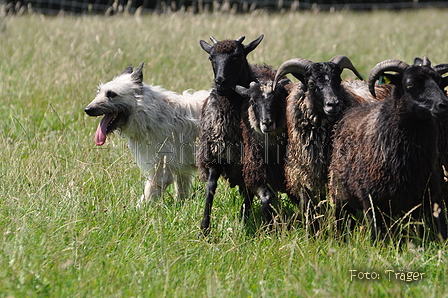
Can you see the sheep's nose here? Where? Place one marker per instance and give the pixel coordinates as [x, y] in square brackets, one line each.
[220, 81]
[267, 126]
[331, 107]
[331, 103]
[267, 122]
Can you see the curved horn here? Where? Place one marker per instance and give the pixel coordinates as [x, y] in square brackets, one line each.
[297, 67]
[215, 41]
[343, 62]
[444, 83]
[380, 68]
[243, 91]
[441, 68]
[281, 83]
[240, 39]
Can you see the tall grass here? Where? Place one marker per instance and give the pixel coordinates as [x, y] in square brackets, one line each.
[68, 227]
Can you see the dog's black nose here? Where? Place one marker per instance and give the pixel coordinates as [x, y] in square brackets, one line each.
[91, 111]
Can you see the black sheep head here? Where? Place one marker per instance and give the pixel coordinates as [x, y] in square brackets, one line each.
[419, 87]
[229, 62]
[267, 105]
[321, 80]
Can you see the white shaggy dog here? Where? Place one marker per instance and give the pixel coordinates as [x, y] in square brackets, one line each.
[161, 128]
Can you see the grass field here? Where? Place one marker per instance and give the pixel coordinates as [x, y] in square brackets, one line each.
[67, 225]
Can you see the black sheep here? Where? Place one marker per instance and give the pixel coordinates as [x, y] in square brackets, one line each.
[220, 148]
[265, 140]
[313, 107]
[385, 158]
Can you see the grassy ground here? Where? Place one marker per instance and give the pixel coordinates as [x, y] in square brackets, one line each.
[67, 225]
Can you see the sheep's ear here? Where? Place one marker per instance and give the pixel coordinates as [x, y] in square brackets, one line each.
[284, 82]
[301, 78]
[252, 45]
[390, 78]
[243, 91]
[137, 75]
[422, 62]
[418, 61]
[205, 46]
[128, 70]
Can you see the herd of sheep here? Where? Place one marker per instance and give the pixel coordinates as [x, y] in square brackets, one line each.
[380, 148]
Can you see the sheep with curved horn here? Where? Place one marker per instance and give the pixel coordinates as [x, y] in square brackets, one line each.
[385, 159]
[313, 107]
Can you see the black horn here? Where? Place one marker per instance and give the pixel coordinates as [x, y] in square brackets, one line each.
[426, 62]
[240, 39]
[344, 62]
[297, 67]
[441, 68]
[380, 68]
[241, 90]
[214, 40]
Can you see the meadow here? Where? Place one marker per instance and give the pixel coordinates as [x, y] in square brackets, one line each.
[68, 225]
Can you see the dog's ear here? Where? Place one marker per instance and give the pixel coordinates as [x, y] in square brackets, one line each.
[128, 70]
[137, 75]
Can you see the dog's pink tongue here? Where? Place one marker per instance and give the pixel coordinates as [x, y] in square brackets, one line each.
[101, 131]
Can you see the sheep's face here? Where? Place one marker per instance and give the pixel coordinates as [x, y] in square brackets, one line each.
[115, 101]
[425, 97]
[267, 107]
[267, 111]
[323, 81]
[229, 63]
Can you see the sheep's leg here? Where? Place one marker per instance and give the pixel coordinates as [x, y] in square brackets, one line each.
[309, 209]
[375, 223]
[182, 186]
[439, 217]
[339, 219]
[210, 188]
[266, 197]
[342, 216]
[246, 207]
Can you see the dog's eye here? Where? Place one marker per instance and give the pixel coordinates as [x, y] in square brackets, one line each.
[110, 94]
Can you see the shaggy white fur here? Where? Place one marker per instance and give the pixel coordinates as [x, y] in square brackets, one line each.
[161, 128]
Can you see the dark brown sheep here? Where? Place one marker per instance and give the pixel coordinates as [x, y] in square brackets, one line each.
[385, 159]
[313, 107]
[265, 140]
[220, 146]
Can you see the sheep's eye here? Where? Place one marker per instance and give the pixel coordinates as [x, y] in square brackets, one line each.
[409, 85]
[110, 94]
[311, 84]
[251, 101]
